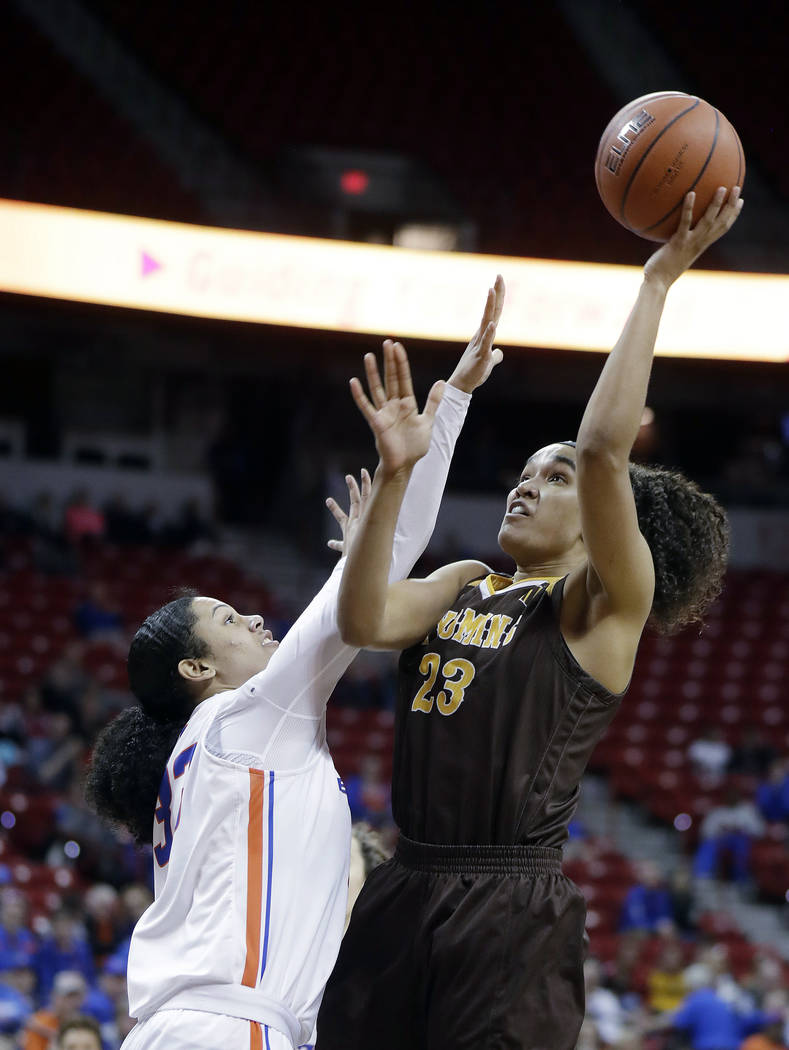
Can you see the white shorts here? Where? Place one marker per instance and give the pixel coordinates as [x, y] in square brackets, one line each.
[198, 1030]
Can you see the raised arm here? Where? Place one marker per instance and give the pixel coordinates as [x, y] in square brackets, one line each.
[620, 574]
[374, 611]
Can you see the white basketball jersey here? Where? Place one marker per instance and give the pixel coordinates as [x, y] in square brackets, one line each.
[252, 826]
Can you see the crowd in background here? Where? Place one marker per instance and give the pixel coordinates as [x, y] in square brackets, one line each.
[669, 985]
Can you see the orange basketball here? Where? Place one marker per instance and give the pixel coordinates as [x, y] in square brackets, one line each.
[658, 148]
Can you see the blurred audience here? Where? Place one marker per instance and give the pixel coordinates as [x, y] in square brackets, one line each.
[753, 755]
[79, 1033]
[647, 906]
[69, 989]
[710, 754]
[730, 829]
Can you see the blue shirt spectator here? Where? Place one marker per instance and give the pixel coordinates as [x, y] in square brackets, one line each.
[712, 1023]
[772, 794]
[647, 905]
[65, 949]
[16, 980]
[15, 935]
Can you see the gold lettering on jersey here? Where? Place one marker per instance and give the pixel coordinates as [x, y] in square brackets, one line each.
[511, 633]
[429, 666]
[471, 628]
[496, 627]
[446, 624]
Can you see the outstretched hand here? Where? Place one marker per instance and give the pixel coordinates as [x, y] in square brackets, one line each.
[402, 434]
[357, 501]
[687, 243]
[479, 358]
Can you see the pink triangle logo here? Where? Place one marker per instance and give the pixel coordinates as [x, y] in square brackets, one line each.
[149, 264]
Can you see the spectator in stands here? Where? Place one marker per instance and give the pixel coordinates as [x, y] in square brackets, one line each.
[102, 919]
[683, 902]
[57, 757]
[771, 1037]
[772, 794]
[108, 998]
[15, 934]
[64, 949]
[603, 1008]
[65, 682]
[709, 1018]
[79, 1033]
[647, 905]
[191, 527]
[68, 994]
[729, 827]
[17, 981]
[753, 755]
[710, 754]
[52, 553]
[666, 986]
[98, 618]
[82, 520]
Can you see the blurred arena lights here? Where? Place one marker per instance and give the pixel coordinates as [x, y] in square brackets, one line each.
[302, 282]
[72, 849]
[7, 819]
[682, 821]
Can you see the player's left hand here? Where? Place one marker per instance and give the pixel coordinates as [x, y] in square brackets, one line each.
[357, 501]
[688, 242]
[479, 358]
[401, 431]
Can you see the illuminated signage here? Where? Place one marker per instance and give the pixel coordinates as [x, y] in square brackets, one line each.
[202, 271]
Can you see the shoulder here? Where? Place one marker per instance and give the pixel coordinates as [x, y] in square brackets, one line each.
[461, 573]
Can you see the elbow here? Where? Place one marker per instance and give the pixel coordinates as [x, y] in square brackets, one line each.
[353, 631]
[596, 453]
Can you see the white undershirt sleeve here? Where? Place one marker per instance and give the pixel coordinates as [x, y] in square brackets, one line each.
[277, 717]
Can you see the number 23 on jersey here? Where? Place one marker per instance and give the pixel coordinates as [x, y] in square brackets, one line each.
[456, 676]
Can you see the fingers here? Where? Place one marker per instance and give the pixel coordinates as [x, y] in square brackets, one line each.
[406, 387]
[339, 514]
[686, 216]
[499, 291]
[496, 357]
[377, 392]
[391, 373]
[362, 402]
[487, 338]
[366, 485]
[336, 545]
[434, 399]
[353, 493]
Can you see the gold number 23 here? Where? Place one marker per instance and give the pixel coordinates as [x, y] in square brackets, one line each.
[457, 675]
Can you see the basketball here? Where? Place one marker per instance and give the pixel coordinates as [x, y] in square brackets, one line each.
[658, 148]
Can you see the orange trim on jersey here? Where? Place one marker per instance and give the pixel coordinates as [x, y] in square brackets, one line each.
[255, 1036]
[257, 780]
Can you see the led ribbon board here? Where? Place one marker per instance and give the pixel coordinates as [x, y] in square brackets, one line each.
[201, 271]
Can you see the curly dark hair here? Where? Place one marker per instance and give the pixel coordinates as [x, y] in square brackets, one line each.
[131, 753]
[688, 534]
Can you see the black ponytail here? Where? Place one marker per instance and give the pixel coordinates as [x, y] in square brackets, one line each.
[688, 534]
[131, 753]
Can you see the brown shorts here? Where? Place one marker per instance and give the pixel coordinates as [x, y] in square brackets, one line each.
[460, 948]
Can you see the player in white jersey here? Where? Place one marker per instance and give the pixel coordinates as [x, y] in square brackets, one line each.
[251, 826]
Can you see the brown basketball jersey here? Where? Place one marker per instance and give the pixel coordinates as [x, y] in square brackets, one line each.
[495, 721]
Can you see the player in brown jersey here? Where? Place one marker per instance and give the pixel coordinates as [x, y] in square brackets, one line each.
[471, 937]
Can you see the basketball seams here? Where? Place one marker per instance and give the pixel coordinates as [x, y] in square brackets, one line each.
[705, 165]
[641, 160]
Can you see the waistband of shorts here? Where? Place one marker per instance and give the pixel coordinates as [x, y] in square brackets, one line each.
[478, 860]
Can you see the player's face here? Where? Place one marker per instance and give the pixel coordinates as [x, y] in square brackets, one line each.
[542, 520]
[239, 645]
